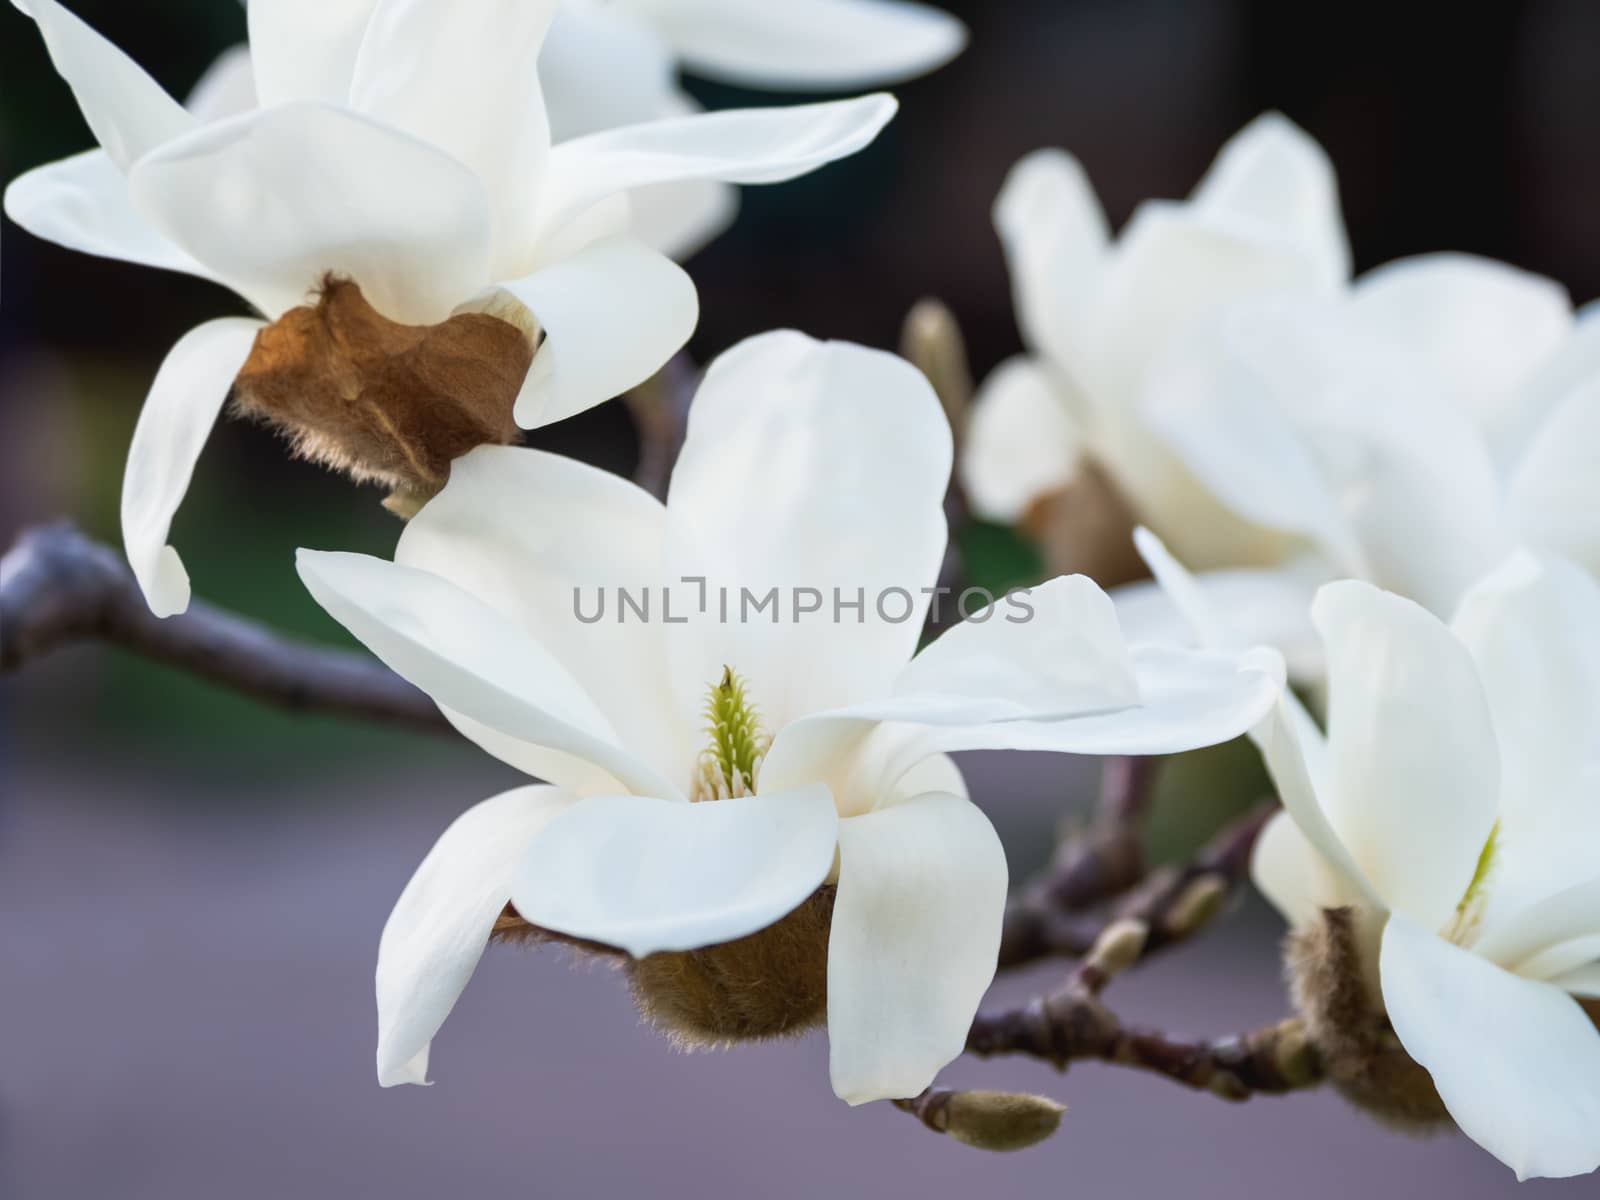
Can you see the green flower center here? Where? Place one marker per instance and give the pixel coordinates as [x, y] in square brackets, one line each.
[736, 742]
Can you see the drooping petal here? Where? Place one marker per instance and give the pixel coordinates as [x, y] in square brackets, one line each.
[1021, 443]
[470, 659]
[1479, 327]
[1056, 239]
[809, 45]
[774, 415]
[276, 199]
[126, 110]
[494, 532]
[1414, 773]
[464, 78]
[649, 875]
[757, 145]
[82, 203]
[1275, 181]
[306, 49]
[613, 314]
[1517, 1062]
[188, 393]
[1555, 490]
[440, 926]
[915, 940]
[227, 88]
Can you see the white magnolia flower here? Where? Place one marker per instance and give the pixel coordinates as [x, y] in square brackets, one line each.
[402, 144]
[1096, 314]
[814, 45]
[806, 466]
[1410, 432]
[1455, 805]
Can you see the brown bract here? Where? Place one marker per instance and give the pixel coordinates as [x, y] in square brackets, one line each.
[388, 403]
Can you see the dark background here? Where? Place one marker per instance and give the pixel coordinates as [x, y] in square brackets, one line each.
[191, 887]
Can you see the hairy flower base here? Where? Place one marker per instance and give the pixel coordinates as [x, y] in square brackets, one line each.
[1365, 1060]
[773, 983]
[385, 402]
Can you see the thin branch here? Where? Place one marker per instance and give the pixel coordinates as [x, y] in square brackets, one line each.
[57, 588]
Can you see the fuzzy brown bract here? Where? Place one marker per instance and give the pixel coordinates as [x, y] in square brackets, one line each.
[1331, 988]
[388, 403]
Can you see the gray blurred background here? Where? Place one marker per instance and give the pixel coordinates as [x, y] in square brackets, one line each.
[191, 887]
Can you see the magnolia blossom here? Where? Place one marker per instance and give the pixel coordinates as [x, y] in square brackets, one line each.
[1454, 804]
[814, 735]
[1411, 432]
[813, 45]
[1097, 313]
[403, 145]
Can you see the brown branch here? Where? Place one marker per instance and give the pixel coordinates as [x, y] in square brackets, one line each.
[57, 587]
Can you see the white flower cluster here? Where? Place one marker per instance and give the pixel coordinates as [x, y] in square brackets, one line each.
[395, 186]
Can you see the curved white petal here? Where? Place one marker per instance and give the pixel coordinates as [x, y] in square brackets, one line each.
[440, 926]
[1555, 490]
[1573, 365]
[550, 543]
[1582, 981]
[126, 110]
[306, 49]
[469, 658]
[1479, 327]
[464, 78]
[1516, 1062]
[82, 203]
[1567, 915]
[756, 145]
[1414, 771]
[775, 415]
[915, 941]
[1293, 874]
[227, 88]
[188, 393]
[1573, 966]
[1020, 444]
[809, 45]
[681, 219]
[1275, 180]
[613, 314]
[588, 42]
[275, 199]
[649, 875]
[1056, 239]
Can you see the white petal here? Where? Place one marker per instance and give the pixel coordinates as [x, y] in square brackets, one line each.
[188, 393]
[1567, 915]
[1480, 327]
[306, 49]
[469, 658]
[1573, 365]
[1273, 179]
[1516, 1062]
[649, 875]
[773, 416]
[549, 543]
[916, 936]
[1585, 981]
[82, 203]
[1414, 770]
[1020, 442]
[126, 110]
[809, 45]
[757, 145]
[613, 314]
[227, 88]
[1293, 874]
[588, 42]
[1056, 239]
[464, 78]
[1555, 492]
[1572, 966]
[276, 199]
[680, 219]
[440, 926]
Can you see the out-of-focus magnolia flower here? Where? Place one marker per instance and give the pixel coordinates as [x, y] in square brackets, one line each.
[390, 200]
[834, 869]
[1411, 432]
[1448, 828]
[640, 45]
[1097, 313]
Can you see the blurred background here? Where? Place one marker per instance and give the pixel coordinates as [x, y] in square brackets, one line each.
[191, 887]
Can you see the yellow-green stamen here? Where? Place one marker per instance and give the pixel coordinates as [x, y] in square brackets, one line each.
[730, 763]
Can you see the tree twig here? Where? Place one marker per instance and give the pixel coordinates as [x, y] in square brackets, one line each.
[57, 587]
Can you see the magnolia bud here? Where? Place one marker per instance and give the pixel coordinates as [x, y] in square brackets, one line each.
[931, 341]
[999, 1121]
